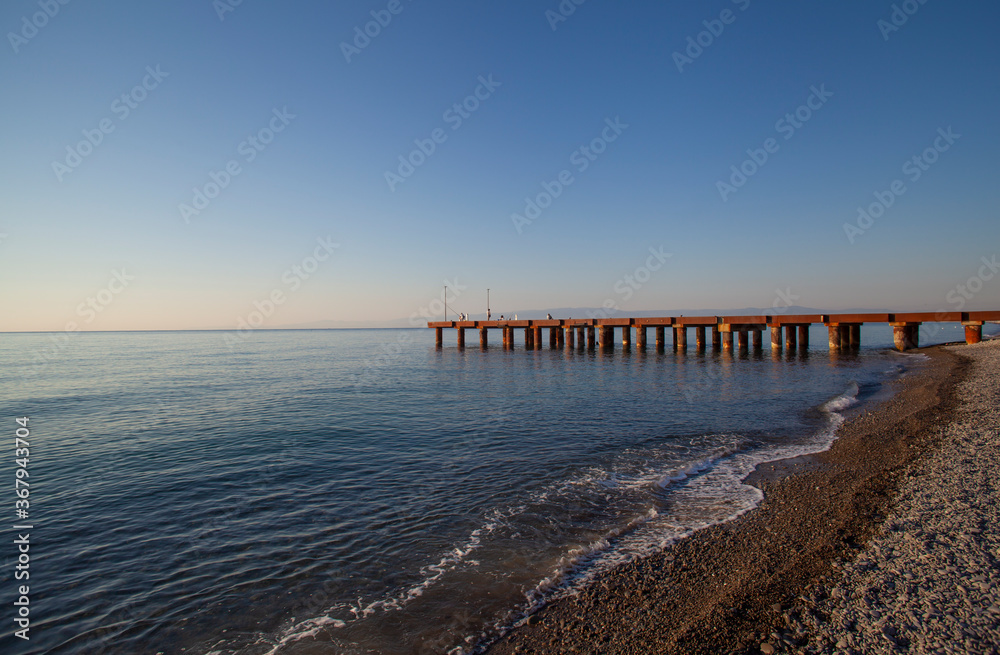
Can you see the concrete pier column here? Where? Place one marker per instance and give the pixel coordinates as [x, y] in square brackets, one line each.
[776, 337]
[899, 337]
[845, 337]
[581, 338]
[438, 336]
[855, 337]
[538, 337]
[640, 337]
[681, 338]
[571, 338]
[590, 337]
[484, 338]
[741, 339]
[626, 337]
[553, 338]
[914, 335]
[835, 340]
[727, 340]
[699, 338]
[604, 338]
[658, 336]
[758, 340]
[529, 339]
[790, 341]
[461, 337]
[973, 332]
[560, 337]
[716, 338]
[804, 337]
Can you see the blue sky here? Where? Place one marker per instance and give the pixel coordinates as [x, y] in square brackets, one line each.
[96, 235]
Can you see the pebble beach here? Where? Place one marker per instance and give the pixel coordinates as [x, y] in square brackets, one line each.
[886, 543]
[929, 582]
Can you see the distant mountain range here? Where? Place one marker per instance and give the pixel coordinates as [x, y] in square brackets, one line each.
[580, 312]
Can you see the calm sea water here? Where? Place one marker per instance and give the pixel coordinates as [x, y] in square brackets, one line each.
[359, 491]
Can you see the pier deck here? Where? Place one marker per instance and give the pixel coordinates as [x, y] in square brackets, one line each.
[787, 331]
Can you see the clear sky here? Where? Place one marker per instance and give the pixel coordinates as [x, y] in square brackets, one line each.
[120, 119]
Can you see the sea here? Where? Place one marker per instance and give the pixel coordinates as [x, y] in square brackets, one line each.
[307, 492]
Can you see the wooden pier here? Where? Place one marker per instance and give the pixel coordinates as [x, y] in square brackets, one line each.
[789, 332]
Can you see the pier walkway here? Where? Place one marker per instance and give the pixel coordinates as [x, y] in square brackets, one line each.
[789, 331]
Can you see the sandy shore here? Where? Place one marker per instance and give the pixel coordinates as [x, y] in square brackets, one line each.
[884, 543]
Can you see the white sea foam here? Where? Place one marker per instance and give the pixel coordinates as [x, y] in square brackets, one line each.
[699, 489]
[715, 479]
[430, 574]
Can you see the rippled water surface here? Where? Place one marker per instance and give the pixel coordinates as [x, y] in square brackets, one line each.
[359, 491]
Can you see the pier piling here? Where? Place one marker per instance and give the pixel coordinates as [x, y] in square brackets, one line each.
[835, 340]
[741, 335]
[590, 337]
[461, 337]
[899, 337]
[484, 339]
[680, 338]
[640, 337]
[438, 336]
[973, 332]
[716, 338]
[775, 337]
[699, 338]
[658, 335]
[804, 337]
[758, 340]
[905, 335]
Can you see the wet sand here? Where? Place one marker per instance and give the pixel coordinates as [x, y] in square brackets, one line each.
[730, 588]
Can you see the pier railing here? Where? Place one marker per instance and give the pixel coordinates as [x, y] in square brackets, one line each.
[787, 331]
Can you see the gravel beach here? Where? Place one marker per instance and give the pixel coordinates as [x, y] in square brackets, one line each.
[929, 582]
[888, 542]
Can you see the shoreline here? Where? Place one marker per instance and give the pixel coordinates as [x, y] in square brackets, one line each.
[726, 588]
